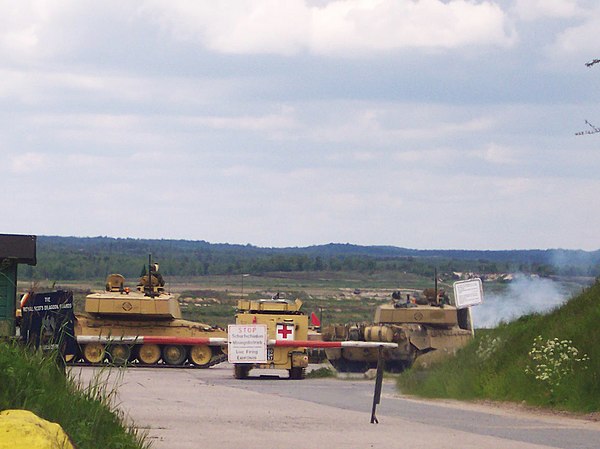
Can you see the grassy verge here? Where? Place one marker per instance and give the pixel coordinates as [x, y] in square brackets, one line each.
[34, 382]
[321, 373]
[561, 370]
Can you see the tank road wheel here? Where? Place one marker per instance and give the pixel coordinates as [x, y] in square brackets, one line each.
[119, 354]
[200, 355]
[149, 354]
[174, 354]
[240, 371]
[94, 353]
[297, 373]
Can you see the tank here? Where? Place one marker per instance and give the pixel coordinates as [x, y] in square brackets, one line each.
[143, 327]
[284, 321]
[419, 323]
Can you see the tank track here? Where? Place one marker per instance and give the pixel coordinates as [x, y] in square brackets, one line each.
[187, 365]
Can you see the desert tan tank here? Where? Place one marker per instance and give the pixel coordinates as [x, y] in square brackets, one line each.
[143, 327]
[418, 323]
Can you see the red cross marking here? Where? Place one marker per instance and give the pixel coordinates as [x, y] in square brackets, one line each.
[284, 332]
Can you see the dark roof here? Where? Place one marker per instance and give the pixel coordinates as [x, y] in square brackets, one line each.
[22, 248]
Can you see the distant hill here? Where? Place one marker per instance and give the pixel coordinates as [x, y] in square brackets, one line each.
[555, 257]
[94, 257]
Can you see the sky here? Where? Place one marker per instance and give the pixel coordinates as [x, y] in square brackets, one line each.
[427, 124]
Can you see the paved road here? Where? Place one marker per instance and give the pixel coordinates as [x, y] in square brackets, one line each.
[189, 408]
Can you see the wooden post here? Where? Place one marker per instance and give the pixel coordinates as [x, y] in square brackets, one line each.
[378, 383]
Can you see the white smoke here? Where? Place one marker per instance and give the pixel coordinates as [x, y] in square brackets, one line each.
[524, 295]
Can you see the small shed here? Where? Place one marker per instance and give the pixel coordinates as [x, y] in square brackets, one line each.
[14, 250]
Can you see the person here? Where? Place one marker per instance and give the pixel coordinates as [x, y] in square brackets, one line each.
[154, 272]
[153, 282]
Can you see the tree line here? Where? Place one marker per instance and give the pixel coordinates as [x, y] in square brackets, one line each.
[73, 258]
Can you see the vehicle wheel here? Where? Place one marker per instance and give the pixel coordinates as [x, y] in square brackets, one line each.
[94, 353]
[241, 371]
[200, 355]
[119, 354]
[149, 354]
[297, 373]
[174, 354]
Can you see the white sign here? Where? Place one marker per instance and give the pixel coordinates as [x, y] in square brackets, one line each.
[468, 293]
[247, 343]
[285, 331]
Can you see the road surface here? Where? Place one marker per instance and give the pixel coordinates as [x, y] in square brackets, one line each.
[195, 408]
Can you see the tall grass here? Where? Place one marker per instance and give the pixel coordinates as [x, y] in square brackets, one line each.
[33, 381]
[495, 365]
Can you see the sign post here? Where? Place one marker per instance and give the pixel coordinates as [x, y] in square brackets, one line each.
[247, 343]
[378, 385]
[468, 293]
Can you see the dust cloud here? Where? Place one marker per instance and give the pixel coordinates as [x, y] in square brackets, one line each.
[524, 295]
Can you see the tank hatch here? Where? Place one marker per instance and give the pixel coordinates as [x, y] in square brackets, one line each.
[269, 305]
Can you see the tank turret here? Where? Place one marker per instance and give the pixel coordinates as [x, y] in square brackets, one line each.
[147, 302]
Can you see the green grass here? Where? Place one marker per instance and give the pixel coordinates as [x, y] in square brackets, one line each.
[32, 381]
[497, 371]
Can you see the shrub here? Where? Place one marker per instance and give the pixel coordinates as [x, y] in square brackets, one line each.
[553, 360]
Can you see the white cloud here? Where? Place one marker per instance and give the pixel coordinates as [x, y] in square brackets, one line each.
[497, 154]
[362, 25]
[364, 156]
[541, 9]
[581, 39]
[18, 28]
[431, 157]
[34, 29]
[387, 124]
[337, 27]
[268, 122]
[27, 163]
[514, 188]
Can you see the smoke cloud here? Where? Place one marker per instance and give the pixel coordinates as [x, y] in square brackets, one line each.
[523, 296]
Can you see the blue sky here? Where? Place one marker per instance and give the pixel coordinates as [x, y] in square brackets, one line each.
[423, 124]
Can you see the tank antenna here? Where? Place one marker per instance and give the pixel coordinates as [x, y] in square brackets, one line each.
[436, 285]
[150, 290]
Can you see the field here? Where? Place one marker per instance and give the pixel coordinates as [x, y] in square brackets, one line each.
[336, 297]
